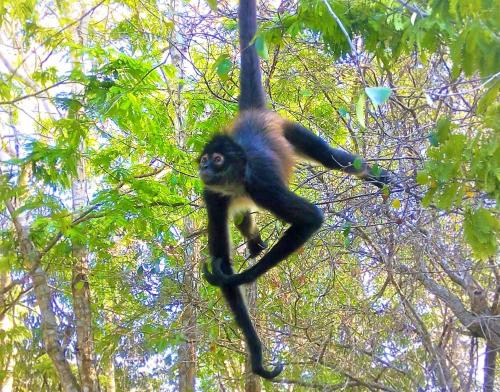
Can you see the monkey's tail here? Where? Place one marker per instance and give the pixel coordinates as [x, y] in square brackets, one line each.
[251, 90]
[236, 302]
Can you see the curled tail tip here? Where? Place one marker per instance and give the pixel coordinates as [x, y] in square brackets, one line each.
[269, 374]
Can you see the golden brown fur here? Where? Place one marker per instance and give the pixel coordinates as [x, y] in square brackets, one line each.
[273, 125]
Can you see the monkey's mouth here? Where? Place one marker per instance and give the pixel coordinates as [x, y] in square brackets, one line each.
[206, 176]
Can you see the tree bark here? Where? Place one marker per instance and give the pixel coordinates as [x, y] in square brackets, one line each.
[79, 282]
[489, 368]
[109, 372]
[81, 295]
[49, 331]
[108, 364]
[8, 359]
[48, 324]
[187, 350]
[484, 325]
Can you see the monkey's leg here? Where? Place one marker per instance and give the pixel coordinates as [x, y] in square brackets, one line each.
[305, 219]
[246, 225]
[312, 146]
[219, 243]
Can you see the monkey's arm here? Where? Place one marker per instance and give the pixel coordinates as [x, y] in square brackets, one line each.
[218, 236]
[305, 218]
[312, 146]
[219, 243]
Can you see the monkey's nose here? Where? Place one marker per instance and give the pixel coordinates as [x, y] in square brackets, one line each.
[205, 175]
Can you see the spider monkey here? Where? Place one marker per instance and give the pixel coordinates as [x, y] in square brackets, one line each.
[249, 165]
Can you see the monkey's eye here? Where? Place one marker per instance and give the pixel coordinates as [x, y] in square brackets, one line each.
[203, 159]
[218, 159]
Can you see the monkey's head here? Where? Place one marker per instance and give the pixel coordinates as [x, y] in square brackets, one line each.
[222, 162]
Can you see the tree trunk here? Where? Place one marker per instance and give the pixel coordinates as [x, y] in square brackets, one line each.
[489, 368]
[252, 381]
[81, 295]
[187, 350]
[79, 282]
[109, 372]
[108, 364]
[48, 324]
[8, 359]
[49, 331]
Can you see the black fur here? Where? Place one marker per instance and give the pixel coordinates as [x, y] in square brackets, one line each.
[234, 162]
[252, 168]
[217, 208]
[251, 92]
[312, 146]
[246, 225]
[263, 184]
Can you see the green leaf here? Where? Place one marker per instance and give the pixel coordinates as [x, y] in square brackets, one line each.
[447, 196]
[223, 65]
[148, 329]
[230, 24]
[489, 97]
[238, 218]
[212, 4]
[347, 229]
[443, 129]
[422, 178]
[376, 170]
[358, 163]
[396, 203]
[433, 139]
[79, 285]
[378, 95]
[481, 229]
[261, 47]
[343, 112]
[386, 191]
[360, 110]
[347, 241]
[427, 199]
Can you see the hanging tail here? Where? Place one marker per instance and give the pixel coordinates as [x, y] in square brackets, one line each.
[234, 298]
[251, 91]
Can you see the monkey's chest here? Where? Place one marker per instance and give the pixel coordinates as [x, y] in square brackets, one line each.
[240, 200]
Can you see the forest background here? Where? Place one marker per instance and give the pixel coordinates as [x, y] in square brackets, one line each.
[104, 107]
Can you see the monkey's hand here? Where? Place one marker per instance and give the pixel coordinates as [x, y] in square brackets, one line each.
[219, 278]
[255, 246]
[382, 178]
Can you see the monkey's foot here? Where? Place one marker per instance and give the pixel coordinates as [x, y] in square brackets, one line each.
[384, 178]
[219, 278]
[255, 246]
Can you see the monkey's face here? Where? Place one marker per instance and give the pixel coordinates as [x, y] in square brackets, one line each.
[222, 162]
